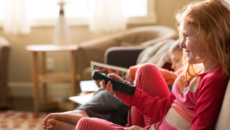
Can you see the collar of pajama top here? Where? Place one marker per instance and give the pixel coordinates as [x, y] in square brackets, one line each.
[186, 97]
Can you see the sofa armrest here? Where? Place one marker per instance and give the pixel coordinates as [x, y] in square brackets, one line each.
[122, 56]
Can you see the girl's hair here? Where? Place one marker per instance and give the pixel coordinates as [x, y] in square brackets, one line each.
[212, 21]
[175, 47]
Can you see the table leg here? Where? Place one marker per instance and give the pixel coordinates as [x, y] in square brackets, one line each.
[44, 86]
[34, 62]
[73, 73]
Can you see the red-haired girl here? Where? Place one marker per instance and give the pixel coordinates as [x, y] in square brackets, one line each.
[198, 92]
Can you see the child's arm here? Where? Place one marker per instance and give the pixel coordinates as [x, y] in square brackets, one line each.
[209, 101]
[169, 76]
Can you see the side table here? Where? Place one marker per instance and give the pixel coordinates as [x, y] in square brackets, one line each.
[45, 77]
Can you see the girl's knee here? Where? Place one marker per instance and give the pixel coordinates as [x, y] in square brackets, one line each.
[146, 68]
[149, 78]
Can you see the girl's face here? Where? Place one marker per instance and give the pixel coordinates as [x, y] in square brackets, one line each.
[191, 43]
[176, 57]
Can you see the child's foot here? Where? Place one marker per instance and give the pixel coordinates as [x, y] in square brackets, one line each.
[58, 125]
[44, 123]
[71, 117]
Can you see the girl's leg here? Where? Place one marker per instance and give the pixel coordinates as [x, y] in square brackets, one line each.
[151, 81]
[96, 124]
[136, 118]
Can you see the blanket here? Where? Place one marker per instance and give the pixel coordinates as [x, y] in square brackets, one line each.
[157, 54]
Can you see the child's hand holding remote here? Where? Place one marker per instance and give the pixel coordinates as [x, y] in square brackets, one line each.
[109, 86]
[115, 76]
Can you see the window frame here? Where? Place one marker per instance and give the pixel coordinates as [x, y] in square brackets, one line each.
[151, 18]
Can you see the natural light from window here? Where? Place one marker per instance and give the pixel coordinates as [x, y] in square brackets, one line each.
[48, 9]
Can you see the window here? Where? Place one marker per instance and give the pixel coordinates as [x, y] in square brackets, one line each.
[45, 12]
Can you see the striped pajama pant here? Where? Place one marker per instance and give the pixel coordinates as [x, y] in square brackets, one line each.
[151, 81]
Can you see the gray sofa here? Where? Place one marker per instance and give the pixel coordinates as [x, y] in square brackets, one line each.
[94, 50]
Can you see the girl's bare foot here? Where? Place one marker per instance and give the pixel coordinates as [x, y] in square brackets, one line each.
[44, 123]
[71, 117]
[58, 125]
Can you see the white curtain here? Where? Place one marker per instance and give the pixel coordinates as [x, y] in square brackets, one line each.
[15, 19]
[106, 16]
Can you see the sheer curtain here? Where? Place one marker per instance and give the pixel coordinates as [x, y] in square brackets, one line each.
[15, 18]
[106, 16]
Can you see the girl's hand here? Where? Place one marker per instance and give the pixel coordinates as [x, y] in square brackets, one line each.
[115, 76]
[109, 86]
[134, 128]
[98, 82]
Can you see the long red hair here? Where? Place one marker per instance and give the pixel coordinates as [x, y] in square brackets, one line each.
[212, 21]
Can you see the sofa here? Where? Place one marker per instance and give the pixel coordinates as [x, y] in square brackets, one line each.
[4, 64]
[224, 116]
[112, 53]
[94, 50]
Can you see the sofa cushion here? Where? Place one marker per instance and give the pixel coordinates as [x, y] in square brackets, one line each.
[224, 116]
[157, 54]
[125, 43]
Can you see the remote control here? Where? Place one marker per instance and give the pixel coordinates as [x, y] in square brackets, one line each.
[117, 84]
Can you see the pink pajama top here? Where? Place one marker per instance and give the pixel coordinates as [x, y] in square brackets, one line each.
[190, 106]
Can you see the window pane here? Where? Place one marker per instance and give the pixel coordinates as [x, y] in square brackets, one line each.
[2, 9]
[49, 9]
[77, 8]
[134, 7]
[41, 9]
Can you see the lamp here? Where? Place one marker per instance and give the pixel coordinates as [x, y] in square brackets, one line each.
[61, 31]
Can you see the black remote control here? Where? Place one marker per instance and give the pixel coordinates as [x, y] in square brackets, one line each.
[117, 84]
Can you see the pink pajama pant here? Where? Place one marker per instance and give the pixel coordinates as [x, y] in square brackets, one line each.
[151, 81]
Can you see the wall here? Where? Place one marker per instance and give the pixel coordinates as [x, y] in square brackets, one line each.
[19, 69]
[166, 10]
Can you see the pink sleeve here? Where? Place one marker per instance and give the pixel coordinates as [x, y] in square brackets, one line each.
[210, 94]
[154, 107]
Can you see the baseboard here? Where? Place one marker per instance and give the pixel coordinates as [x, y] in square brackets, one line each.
[25, 89]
